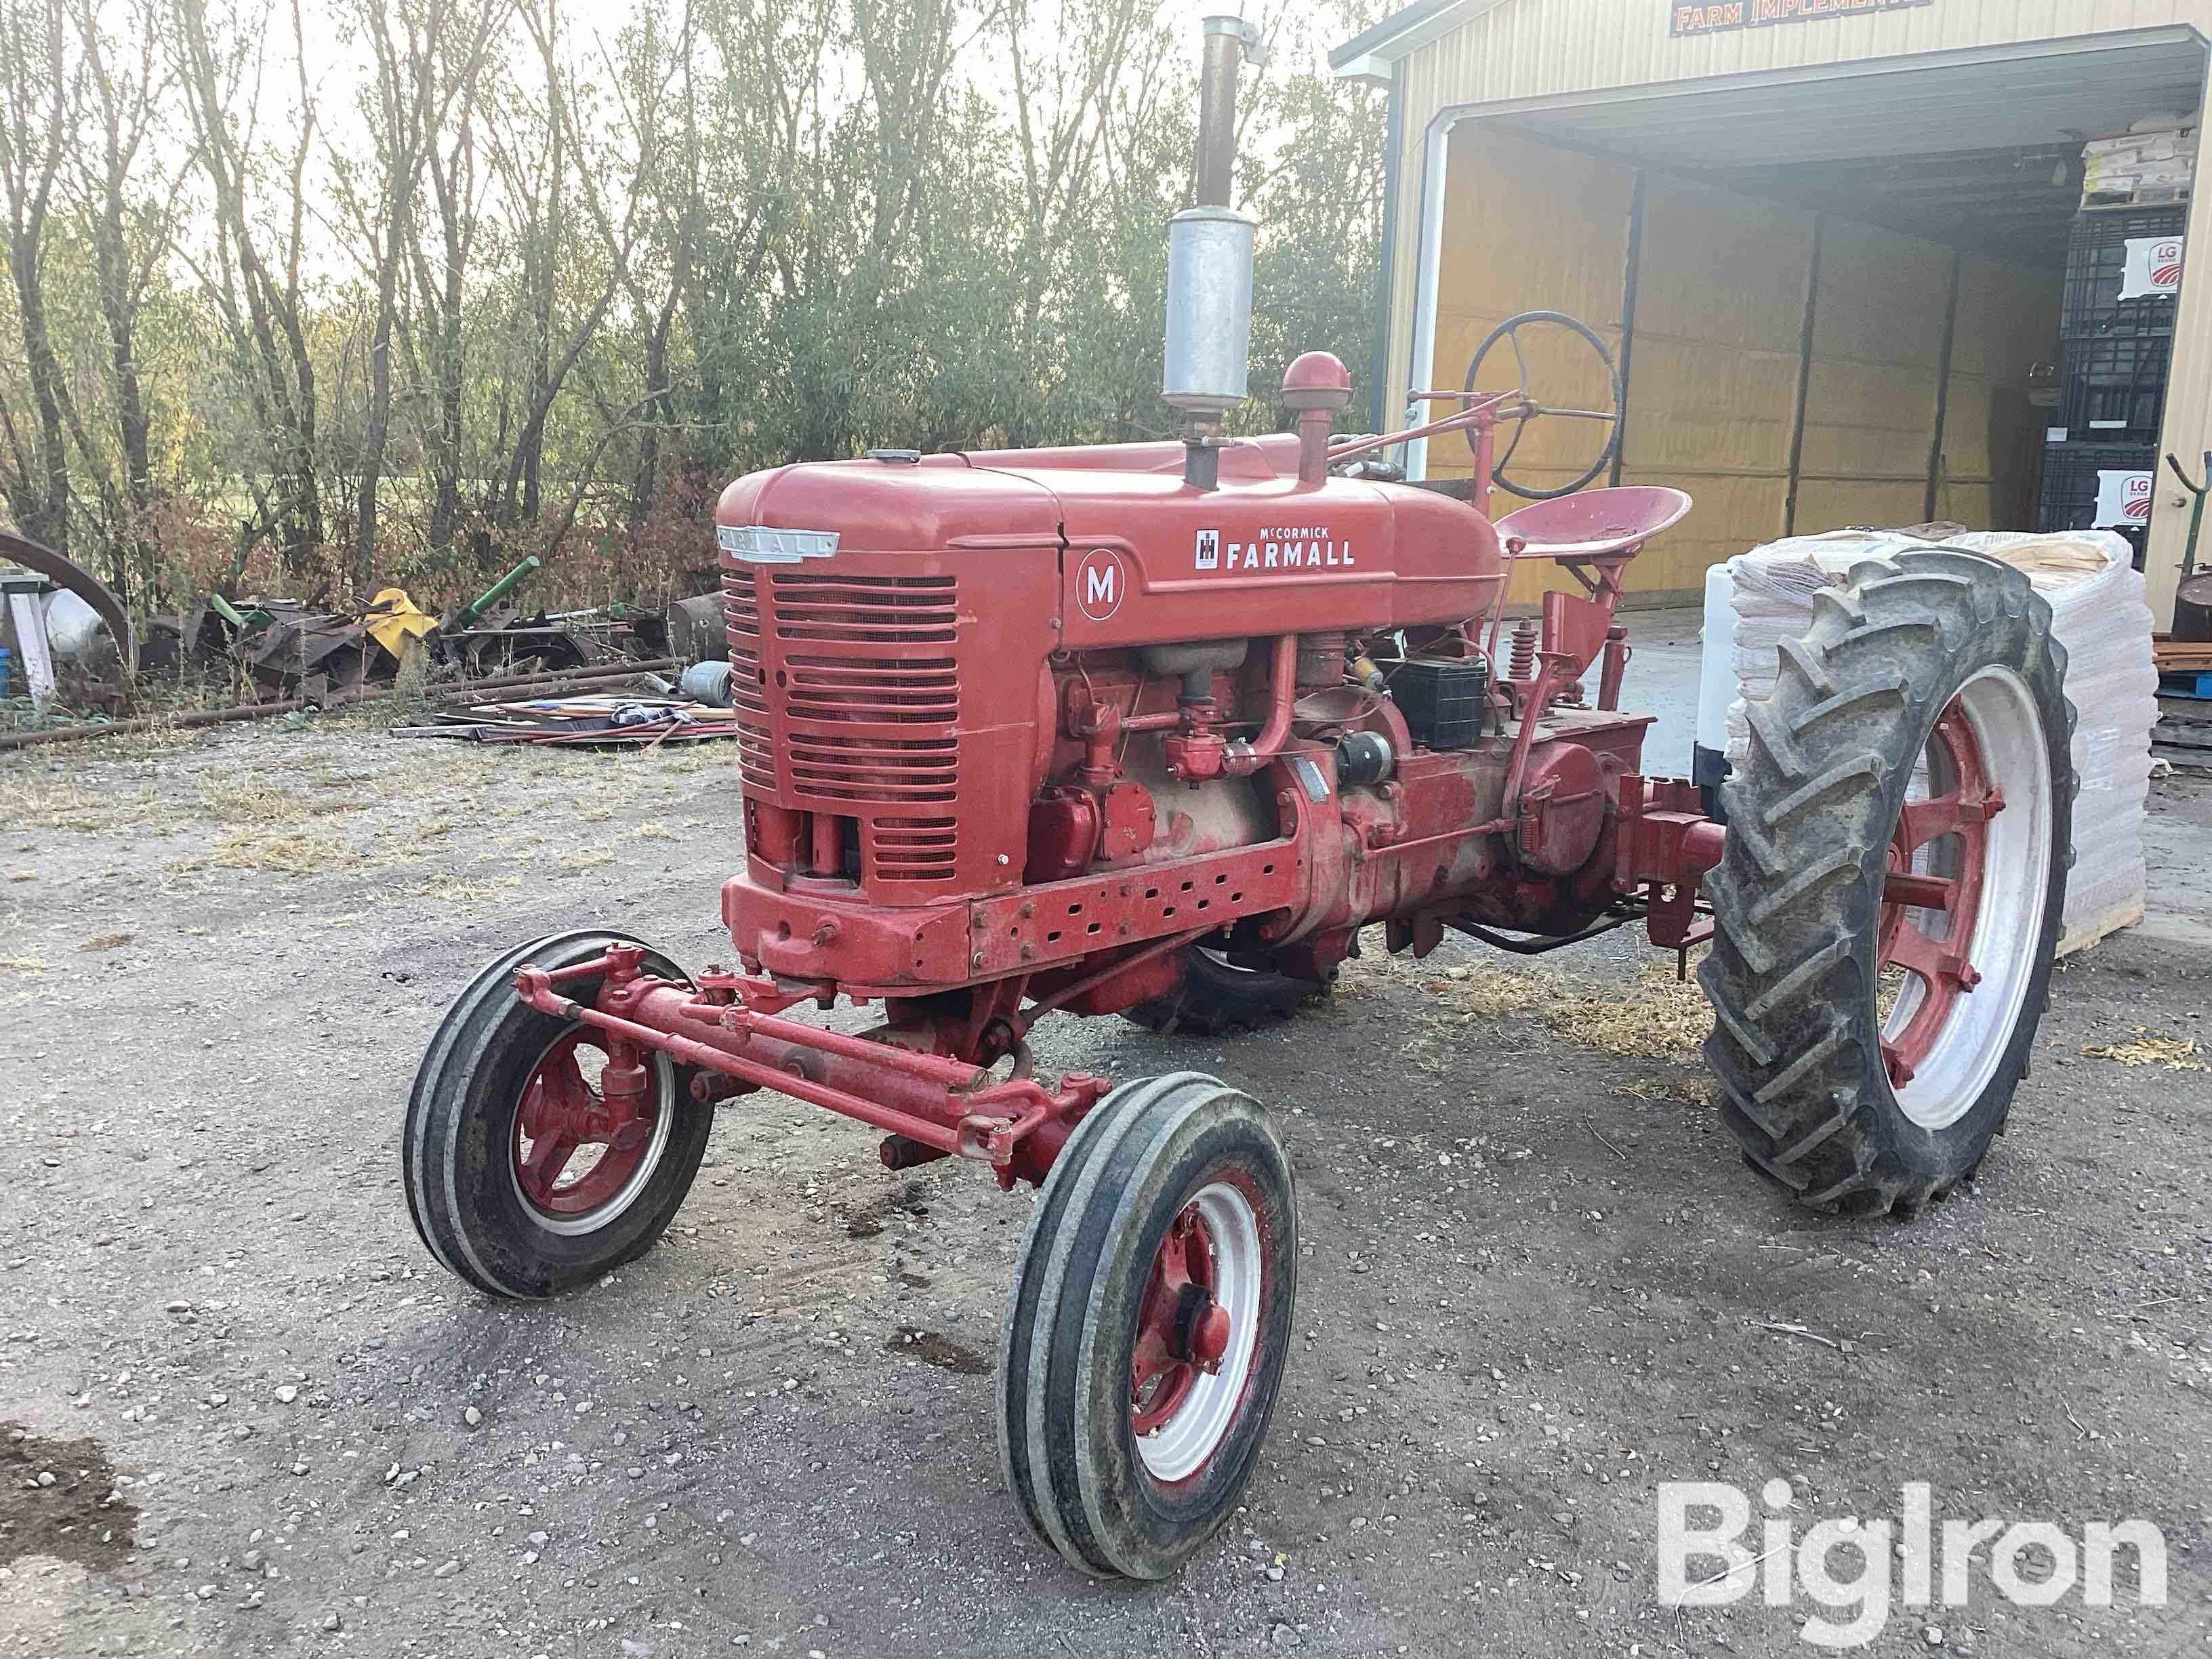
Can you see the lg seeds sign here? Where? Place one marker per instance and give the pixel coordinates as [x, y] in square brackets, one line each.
[1759, 14]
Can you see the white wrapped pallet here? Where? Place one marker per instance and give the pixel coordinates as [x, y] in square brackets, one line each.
[2098, 614]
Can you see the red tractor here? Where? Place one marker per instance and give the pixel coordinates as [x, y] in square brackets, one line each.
[1161, 730]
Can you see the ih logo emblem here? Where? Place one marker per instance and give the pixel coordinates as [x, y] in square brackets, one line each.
[1209, 550]
[1100, 582]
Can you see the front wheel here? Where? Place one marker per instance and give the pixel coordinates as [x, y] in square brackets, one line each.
[519, 1177]
[1149, 1318]
[1893, 882]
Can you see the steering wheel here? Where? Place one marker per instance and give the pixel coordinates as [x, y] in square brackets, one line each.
[1530, 409]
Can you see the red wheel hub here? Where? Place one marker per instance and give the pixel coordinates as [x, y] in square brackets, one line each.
[577, 1145]
[1182, 1331]
[1952, 827]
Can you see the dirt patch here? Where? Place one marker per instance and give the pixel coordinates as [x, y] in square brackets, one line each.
[867, 1220]
[1660, 1016]
[58, 1498]
[941, 1352]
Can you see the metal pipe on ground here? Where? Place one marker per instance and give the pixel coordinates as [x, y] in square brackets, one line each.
[254, 711]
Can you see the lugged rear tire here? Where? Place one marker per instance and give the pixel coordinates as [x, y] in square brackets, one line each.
[1794, 976]
[1214, 997]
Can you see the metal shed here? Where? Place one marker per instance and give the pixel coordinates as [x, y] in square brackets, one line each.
[1825, 238]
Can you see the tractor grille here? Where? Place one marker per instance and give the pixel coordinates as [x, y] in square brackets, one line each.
[871, 609]
[913, 849]
[847, 692]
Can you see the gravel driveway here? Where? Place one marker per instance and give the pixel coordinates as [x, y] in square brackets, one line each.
[245, 1413]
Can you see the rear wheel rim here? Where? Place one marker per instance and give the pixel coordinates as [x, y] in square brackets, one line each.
[1198, 1332]
[573, 1170]
[1983, 826]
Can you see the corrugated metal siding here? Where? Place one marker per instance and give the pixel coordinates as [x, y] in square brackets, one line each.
[1538, 48]
[1527, 49]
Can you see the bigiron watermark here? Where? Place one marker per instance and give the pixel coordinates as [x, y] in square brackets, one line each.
[1859, 1573]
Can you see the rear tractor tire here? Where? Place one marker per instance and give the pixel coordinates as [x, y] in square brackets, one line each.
[1215, 996]
[1869, 1048]
[512, 1185]
[1151, 1314]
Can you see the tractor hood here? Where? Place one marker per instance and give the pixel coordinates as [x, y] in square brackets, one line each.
[898, 505]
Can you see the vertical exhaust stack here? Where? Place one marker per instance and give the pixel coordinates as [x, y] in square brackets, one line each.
[1209, 324]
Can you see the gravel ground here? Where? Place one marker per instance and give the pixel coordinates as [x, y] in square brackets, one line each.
[245, 1413]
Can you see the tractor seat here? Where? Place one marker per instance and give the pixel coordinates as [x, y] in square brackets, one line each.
[1596, 523]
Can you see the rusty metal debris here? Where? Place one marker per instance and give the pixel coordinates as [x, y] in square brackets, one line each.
[282, 655]
[72, 577]
[197, 718]
[596, 719]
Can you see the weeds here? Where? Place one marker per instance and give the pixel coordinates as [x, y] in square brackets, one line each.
[1657, 1017]
[289, 853]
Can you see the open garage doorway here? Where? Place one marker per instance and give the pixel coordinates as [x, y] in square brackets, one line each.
[1838, 295]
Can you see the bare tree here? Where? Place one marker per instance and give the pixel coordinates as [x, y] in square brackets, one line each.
[568, 160]
[428, 56]
[260, 303]
[130, 207]
[441, 294]
[677, 189]
[1060, 86]
[34, 77]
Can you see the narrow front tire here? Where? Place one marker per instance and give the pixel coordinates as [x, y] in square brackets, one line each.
[1149, 1319]
[517, 1179]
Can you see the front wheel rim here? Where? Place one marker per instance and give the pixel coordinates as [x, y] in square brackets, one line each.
[1198, 1332]
[1984, 828]
[573, 1170]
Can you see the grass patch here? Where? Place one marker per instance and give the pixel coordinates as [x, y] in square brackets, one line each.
[302, 853]
[65, 804]
[1657, 1017]
[450, 889]
[266, 805]
[2150, 1047]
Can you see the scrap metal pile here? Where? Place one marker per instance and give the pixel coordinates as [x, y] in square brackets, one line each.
[600, 720]
[285, 649]
[70, 643]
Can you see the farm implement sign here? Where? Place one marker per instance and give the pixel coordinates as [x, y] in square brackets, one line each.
[1759, 14]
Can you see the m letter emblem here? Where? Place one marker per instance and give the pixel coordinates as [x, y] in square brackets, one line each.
[1100, 582]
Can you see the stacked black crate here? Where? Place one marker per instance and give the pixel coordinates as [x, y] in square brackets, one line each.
[2123, 280]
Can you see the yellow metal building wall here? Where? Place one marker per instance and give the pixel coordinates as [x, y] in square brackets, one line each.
[1991, 434]
[1719, 347]
[1712, 397]
[1525, 49]
[1530, 228]
[1876, 372]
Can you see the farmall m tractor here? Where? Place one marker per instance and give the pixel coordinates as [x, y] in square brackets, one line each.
[1166, 731]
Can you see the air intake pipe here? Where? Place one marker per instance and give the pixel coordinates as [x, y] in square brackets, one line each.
[1209, 299]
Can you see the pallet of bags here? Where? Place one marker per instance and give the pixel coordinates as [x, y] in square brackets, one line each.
[2099, 614]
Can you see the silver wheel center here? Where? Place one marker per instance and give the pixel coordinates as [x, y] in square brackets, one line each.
[1176, 1450]
[2008, 927]
[582, 1165]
